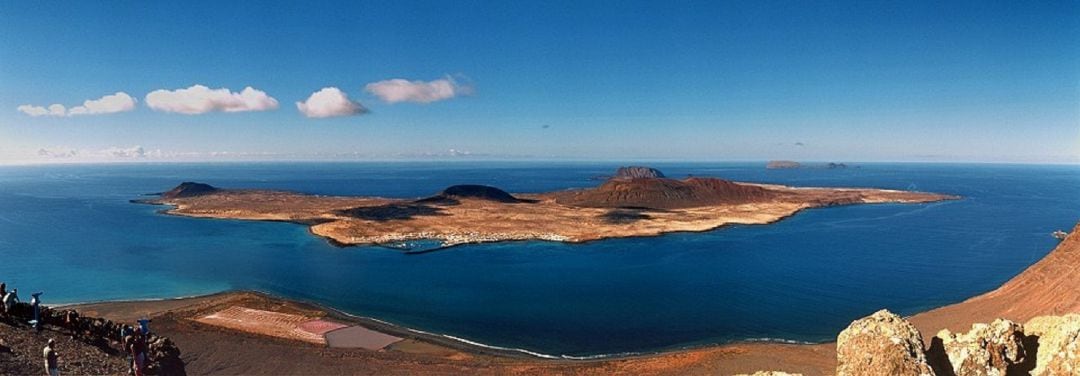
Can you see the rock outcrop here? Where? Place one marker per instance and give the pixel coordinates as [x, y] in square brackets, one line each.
[189, 189]
[1059, 344]
[885, 344]
[992, 349]
[769, 373]
[637, 172]
[882, 344]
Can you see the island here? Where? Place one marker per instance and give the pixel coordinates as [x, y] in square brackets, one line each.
[779, 165]
[636, 201]
[791, 165]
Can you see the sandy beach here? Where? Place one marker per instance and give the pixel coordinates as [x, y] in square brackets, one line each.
[212, 349]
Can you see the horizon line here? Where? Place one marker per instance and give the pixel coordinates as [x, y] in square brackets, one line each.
[528, 160]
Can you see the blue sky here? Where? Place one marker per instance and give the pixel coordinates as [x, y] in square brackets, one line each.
[617, 80]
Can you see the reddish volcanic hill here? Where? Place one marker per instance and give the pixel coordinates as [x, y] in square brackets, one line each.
[662, 193]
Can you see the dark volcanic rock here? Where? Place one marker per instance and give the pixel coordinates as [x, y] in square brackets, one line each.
[189, 189]
[636, 172]
[452, 194]
[391, 212]
[625, 215]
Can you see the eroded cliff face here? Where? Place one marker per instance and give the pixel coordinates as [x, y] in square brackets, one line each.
[1059, 344]
[986, 350]
[885, 344]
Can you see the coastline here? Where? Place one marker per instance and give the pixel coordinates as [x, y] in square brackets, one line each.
[421, 351]
[386, 327]
[1049, 286]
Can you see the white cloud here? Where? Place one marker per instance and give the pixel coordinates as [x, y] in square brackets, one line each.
[131, 152]
[329, 102]
[32, 110]
[57, 110]
[113, 103]
[119, 102]
[57, 153]
[401, 90]
[115, 152]
[200, 99]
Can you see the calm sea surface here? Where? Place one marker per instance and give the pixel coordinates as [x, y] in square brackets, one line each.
[71, 232]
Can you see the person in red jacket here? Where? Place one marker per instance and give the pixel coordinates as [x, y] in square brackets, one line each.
[138, 352]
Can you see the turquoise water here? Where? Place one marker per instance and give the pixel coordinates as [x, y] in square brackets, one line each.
[71, 232]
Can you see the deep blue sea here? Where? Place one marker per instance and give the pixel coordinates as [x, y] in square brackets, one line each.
[70, 231]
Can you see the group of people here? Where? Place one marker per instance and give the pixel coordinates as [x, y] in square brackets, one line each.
[10, 298]
[133, 340]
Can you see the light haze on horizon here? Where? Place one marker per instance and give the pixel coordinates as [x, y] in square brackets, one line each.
[597, 80]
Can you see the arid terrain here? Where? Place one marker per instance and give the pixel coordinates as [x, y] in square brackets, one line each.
[632, 203]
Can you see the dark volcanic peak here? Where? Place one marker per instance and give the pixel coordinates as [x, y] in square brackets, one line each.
[473, 191]
[189, 189]
[663, 193]
[636, 172]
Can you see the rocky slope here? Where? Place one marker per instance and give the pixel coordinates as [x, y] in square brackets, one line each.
[1051, 286]
[21, 353]
[86, 345]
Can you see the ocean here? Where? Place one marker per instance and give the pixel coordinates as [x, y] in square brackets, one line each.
[71, 232]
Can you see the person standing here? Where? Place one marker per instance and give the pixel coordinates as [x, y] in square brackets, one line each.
[144, 324]
[71, 320]
[52, 366]
[9, 301]
[128, 338]
[138, 352]
[3, 294]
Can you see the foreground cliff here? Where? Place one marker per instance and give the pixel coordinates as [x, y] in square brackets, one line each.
[1051, 286]
[1028, 326]
[887, 345]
